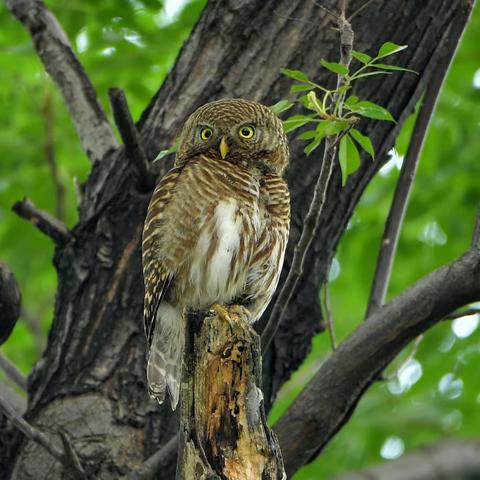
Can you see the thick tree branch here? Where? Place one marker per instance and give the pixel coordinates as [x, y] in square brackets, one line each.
[133, 147]
[50, 226]
[18, 403]
[10, 302]
[72, 468]
[452, 459]
[393, 225]
[57, 55]
[330, 398]
[12, 372]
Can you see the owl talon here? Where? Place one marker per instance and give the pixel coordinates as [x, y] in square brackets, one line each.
[221, 312]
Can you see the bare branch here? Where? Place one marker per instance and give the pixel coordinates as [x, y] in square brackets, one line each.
[47, 224]
[312, 220]
[49, 146]
[13, 398]
[329, 317]
[10, 302]
[57, 55]
[396, 215]
[463, 313]
[159, 459]
[326, 403]
[12, 372]
[476, 233]
[128, 131]
[457, 459]
[37, 436]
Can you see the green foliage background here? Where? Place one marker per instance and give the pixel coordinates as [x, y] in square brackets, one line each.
[132, 44]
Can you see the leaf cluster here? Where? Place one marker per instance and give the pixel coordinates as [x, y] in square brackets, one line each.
[335, 112]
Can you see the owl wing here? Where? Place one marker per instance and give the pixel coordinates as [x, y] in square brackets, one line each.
[164, 335]
[269, 251]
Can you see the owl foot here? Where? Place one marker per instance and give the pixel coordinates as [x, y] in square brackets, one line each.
[221, 312]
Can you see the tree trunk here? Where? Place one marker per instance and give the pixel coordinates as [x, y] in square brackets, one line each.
[90, 382]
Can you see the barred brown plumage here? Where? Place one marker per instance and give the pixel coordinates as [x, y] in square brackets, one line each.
[216, 228]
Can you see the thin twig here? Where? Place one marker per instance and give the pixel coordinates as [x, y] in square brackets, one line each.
[329, 317]
[46, 223]
[56, 53]
[410, 357]
[37, 436]
[12, 372]
[463, 313]
[17, 402]
[359, 9]
[153, 464]
[312, 220]
[49, 146]
[475, 245]
[128, 131]
[398, 207]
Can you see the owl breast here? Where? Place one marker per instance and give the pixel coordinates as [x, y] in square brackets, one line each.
[227, 225]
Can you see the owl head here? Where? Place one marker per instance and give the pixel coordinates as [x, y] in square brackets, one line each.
[236, 131]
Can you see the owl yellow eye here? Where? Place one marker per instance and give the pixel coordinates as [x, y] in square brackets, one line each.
[206, 133]
[246, 132]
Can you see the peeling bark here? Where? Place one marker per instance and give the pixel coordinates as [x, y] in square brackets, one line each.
[224, 433]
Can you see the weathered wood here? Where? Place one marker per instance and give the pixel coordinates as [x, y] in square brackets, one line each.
[223, 429]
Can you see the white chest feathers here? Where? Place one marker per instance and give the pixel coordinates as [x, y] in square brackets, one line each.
[214, 274]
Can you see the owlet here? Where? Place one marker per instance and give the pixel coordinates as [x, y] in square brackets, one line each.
[216, 228]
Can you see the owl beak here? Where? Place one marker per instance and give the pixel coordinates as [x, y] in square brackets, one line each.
[224, 149]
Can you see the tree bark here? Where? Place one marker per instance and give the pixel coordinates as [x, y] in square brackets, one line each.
[91, 382]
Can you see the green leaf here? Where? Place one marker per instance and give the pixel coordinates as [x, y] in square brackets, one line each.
[308, 135]
[295, 122]
[389, 48]
[343, 158]
[363, 141]
[281, 106]
[353, 157]
[312, 146]
[334, 127]
[314, 104]
[385, 66]
[369, 74]
[372, 110]
[301, 88]
[296, 74]
[163, 153]
[351, 100]
[361, 57]
[335, 67]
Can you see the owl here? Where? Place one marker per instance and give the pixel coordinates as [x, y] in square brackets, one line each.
[216, 228]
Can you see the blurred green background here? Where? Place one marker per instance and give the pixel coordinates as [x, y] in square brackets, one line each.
[132, 44]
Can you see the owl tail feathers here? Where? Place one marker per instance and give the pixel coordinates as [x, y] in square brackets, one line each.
[164, 367]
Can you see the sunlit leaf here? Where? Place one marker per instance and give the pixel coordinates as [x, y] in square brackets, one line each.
[352, 100]
[337, 68]
[361, 57]
[281, 106]
[363, 141]
[296, 121]
[343, 158]
[301, 88]
[385, 66]
[312, 146]
[389, 48]
[308, 135]
[296, 74]
[163, 153]
[372, 110]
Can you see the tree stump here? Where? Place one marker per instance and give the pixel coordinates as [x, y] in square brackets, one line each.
[223, 429]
